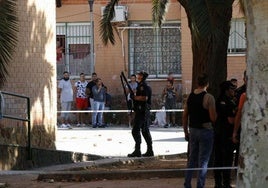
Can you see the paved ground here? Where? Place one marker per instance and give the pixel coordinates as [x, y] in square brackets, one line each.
[114, 143]
[118, 141]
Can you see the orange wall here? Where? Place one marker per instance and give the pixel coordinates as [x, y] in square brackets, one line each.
[236, 65]
[110, 60]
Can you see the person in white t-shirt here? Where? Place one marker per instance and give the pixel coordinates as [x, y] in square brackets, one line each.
[65, 94]
[81, 98]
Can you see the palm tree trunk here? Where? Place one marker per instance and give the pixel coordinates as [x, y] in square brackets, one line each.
[210, 57]
[210, 47]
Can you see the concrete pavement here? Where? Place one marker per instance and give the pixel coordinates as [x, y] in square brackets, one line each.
[117, 141]
[114, 143]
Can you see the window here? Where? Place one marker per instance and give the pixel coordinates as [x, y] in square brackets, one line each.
[237, 38]
[156, 51]
[73, 48]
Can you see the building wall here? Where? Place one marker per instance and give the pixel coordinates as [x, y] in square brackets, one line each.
[32, 73]
[236, 65]
[111, 60]
[187, 57]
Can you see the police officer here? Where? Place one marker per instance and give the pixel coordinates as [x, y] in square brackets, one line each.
[142, 101]
[223, 146]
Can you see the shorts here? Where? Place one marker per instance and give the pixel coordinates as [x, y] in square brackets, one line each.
[66, 106]
[170, 105]
[81, 103]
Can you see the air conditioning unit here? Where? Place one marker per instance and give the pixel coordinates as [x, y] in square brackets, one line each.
[120, 13]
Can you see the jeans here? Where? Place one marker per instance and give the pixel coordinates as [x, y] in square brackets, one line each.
[97, 115]
[201, 144]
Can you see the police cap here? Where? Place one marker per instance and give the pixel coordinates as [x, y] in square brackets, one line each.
[144, 74]
[226, 85]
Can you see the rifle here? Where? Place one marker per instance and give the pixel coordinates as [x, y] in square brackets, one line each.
[124, 79]
[124, 88]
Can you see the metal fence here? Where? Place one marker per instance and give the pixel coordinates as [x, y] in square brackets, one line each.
[17, 107]
[73, 48]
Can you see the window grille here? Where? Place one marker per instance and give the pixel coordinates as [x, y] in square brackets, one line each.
[155, 50]
[73, 48]
[237, 38]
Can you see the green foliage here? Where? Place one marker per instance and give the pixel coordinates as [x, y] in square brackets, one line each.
[106, 29]
[8, 35]
[158, 11]
[204, 17]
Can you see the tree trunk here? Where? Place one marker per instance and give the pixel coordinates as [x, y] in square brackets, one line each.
[210, 57]
[210, 35]
[253, 168]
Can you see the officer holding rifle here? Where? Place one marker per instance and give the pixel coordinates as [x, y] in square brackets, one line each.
[142, 102]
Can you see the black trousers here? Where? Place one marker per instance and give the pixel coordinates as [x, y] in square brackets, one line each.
[223, 157]
[141, 125]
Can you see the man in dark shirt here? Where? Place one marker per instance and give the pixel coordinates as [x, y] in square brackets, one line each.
[142, 101]
[99, 96]
[89, 88]
[200, 111]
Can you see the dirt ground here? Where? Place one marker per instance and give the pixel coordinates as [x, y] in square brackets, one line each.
[30, 181]
[171, 162]
[161, 162]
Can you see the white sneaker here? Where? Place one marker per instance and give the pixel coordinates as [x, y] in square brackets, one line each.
[83, 125]
[63, 126]
[68, 126]
[78, 125]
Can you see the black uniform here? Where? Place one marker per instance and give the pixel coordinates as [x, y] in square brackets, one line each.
[142, 120]
[223, 145]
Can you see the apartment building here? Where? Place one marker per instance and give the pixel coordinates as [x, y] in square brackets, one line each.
[138, 45]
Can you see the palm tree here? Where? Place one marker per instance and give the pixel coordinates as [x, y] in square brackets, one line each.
[8, 35]
[209, 23]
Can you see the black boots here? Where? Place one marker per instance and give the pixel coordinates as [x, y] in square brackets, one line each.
[135, 153]
[149, 153]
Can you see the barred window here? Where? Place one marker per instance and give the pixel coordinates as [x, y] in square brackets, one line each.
[237, 38]
[155, 50]
[73, 48]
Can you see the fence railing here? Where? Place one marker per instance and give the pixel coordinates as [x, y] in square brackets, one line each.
[27, 119]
